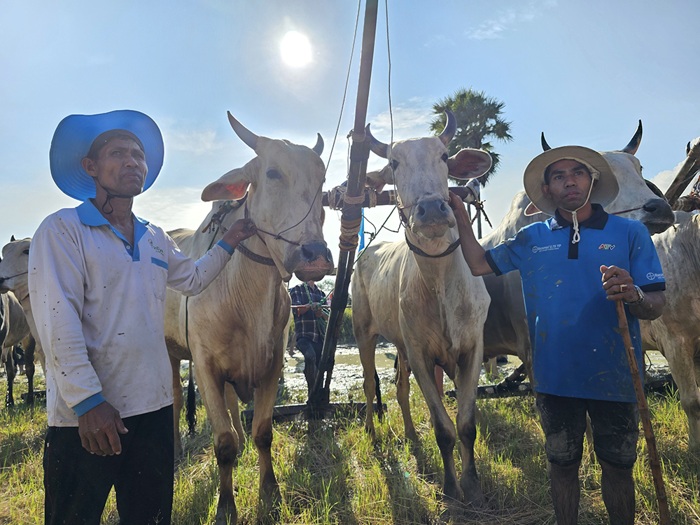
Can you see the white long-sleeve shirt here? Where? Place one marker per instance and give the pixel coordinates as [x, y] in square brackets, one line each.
[99, 305]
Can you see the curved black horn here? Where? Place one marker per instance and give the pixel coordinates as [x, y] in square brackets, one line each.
[378, 148]
[543, 141]
[687, 149]
[318, 148]
[633, 145]
[247, 136]
[450, 128]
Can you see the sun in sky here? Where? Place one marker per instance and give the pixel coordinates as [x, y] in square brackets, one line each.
[295, 49]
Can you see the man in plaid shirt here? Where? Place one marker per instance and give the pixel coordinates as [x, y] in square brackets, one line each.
[309, 325]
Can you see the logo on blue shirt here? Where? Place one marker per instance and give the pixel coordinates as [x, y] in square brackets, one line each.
[654, 276]
[606, 246]
[550, 248]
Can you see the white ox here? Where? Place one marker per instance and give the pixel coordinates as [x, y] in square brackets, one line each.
[13, 330]
[13, 278]
[677, 333]
[421, 296]
[236, 328]
[506, 331]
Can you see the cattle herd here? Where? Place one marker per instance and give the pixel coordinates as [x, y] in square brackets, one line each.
[416, 293]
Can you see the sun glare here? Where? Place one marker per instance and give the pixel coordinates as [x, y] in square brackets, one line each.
[295, 49]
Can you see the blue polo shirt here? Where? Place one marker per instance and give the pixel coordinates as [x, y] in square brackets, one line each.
[577, 347]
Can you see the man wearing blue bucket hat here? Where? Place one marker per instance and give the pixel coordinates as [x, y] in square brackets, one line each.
[97, 280]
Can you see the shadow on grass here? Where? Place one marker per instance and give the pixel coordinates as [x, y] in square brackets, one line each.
[18, 445]
[321, 470]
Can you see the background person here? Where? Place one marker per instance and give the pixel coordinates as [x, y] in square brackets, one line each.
[97, 282]
[573, 267]
[310, 320]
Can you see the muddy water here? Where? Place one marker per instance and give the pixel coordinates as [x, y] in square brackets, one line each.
[346, 381]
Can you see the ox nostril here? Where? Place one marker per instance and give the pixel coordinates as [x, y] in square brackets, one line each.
[420, 211]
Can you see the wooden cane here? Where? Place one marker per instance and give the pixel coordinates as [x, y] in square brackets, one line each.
[664, 513]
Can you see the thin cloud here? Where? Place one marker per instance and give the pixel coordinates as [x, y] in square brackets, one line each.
[195, 142]
[496, 27]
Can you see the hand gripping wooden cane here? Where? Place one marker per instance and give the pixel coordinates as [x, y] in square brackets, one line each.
[664, 513]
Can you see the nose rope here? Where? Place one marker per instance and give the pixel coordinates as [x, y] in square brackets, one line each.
[13, 276]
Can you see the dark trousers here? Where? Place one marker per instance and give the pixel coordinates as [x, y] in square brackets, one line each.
[78, 483]
[312, 357]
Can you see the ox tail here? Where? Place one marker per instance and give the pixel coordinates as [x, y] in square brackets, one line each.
[191, 414]
[378, 389]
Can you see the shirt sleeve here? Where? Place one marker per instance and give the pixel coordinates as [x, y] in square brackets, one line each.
[645, 266]
[56, 287]
[190, 276]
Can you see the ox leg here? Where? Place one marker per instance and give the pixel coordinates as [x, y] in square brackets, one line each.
[265, 396]
[366, 347]
[10, 371]
[445, 434]
[30, 369]
[232, 404]
[683, 370]
[177, 405]
[467, 382]
[211, 386]
[403, 391]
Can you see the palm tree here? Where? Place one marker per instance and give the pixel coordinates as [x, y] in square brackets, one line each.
[479, 118]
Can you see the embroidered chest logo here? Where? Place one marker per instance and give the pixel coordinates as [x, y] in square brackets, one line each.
[157, 249]
[550, 248]
[605, 246]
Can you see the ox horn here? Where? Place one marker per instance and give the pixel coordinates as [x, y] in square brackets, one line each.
[450, 128]
[633, 145]
[247, 136]
[377, 147]
[545, 145]
[318, 148]
[687, 149]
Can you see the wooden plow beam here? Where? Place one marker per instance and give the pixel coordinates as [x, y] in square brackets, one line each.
[690, 166]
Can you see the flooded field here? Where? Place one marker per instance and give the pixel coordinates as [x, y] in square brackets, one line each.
[347, 372]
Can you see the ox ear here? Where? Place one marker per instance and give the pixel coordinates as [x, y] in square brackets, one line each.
[232, 185]
[377, 179]
[531, 210]
[469, 163]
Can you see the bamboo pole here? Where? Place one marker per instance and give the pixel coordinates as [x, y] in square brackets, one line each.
[351, 213]
[664, 513]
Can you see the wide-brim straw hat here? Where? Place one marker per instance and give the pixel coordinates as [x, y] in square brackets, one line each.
[604, 190]
[76, 133]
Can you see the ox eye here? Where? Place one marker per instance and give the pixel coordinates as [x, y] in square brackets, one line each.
[273, 174]
[25, 252]
[444, 157]
[394, 164]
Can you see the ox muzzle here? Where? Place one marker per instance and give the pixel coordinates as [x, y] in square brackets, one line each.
[658, 216]
[313, 261]
[431, 217]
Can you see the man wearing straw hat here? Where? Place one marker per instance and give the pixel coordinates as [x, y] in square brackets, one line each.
[574, 266]
[97, 282]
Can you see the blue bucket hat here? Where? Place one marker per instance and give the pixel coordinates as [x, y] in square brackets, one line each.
[76, 133]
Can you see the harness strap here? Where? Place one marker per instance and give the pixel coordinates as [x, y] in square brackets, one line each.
[254, 256]
[415, 249]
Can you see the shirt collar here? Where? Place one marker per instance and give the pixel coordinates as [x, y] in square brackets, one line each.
[89, 215]
[596, 221]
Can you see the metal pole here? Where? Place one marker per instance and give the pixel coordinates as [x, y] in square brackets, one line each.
[664, 513]
[351, 213]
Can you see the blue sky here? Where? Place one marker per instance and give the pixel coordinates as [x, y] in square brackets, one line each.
[583, 72]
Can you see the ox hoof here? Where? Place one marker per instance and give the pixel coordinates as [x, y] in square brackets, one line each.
[226, 514]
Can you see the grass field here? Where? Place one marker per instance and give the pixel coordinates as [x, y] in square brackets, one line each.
[332, 472]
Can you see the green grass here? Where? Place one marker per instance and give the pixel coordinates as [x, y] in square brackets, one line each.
[333, 472]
